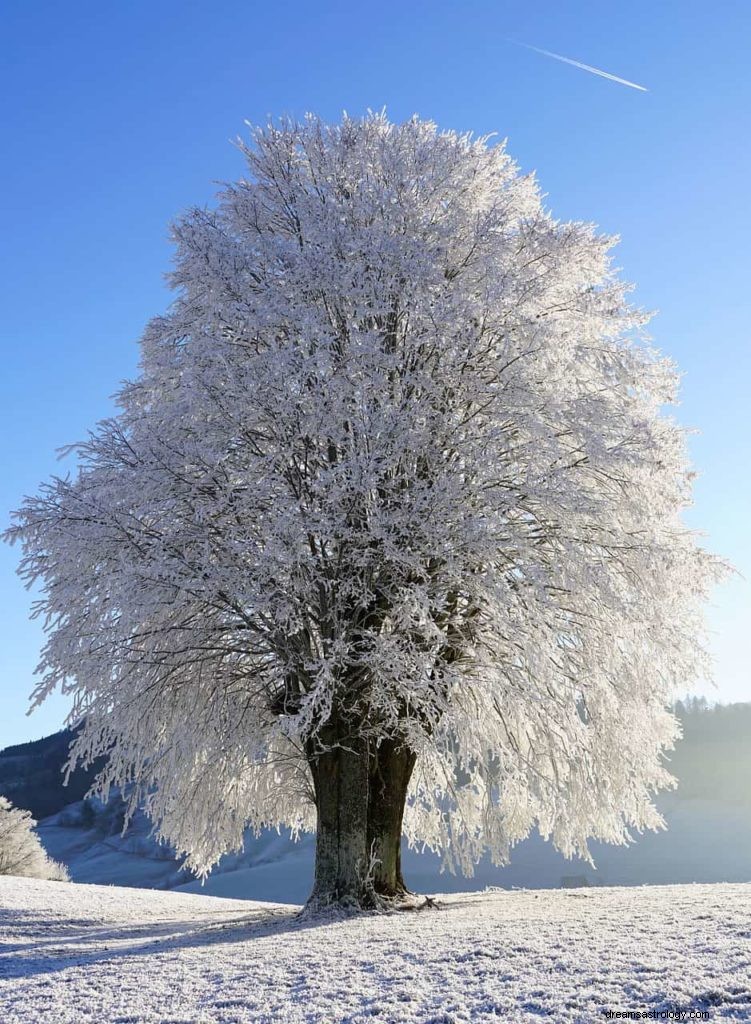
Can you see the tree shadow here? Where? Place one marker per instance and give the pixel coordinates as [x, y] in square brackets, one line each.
[80, 942]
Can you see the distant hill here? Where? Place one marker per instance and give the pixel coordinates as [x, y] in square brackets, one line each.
[708, 838]
[31, 775]
[713, 760]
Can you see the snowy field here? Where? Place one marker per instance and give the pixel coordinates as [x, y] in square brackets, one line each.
[73, 954]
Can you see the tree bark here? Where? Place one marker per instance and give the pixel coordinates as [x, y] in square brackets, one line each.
[340, 780]
[391, 768]
[360, 796]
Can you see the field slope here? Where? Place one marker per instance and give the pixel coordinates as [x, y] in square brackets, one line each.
[85, 953]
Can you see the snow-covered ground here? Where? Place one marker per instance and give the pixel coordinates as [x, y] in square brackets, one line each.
[73, 954]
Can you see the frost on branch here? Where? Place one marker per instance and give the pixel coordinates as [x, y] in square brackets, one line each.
[394, 471]
[21, 853]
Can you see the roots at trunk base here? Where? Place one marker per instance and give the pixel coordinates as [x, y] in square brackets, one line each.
[360, 797]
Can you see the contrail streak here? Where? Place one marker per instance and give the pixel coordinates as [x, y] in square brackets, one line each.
[585, 67]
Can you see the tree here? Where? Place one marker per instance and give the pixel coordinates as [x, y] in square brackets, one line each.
[386, 535]
[21, 853]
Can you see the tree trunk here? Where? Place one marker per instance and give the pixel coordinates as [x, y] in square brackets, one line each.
[360, 796]
[390, 771]
[340, 780]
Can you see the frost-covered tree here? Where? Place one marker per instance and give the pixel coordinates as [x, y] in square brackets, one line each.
[386, 535]
[21, 853]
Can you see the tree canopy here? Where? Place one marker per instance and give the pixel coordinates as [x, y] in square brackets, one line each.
[395, 475]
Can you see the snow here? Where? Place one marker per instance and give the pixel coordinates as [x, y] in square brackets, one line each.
[87, 953]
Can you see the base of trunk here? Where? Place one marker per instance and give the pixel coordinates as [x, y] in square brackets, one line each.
[328, 904]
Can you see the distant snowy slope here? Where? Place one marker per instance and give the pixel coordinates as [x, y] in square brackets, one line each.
[87, 836]
[73, 954]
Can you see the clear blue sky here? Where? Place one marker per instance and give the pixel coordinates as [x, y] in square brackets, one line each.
[118, 116]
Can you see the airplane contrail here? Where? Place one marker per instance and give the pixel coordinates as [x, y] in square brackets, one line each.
[585, 67]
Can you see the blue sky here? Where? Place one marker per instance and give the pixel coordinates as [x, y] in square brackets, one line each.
[116, 117]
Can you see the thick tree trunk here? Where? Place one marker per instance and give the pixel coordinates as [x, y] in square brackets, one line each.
[360, 796]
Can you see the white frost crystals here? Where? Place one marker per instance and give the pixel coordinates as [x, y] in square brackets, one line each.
[396, 455]
[21, 852]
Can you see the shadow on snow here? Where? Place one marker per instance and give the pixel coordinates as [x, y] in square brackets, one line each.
[80, 942]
